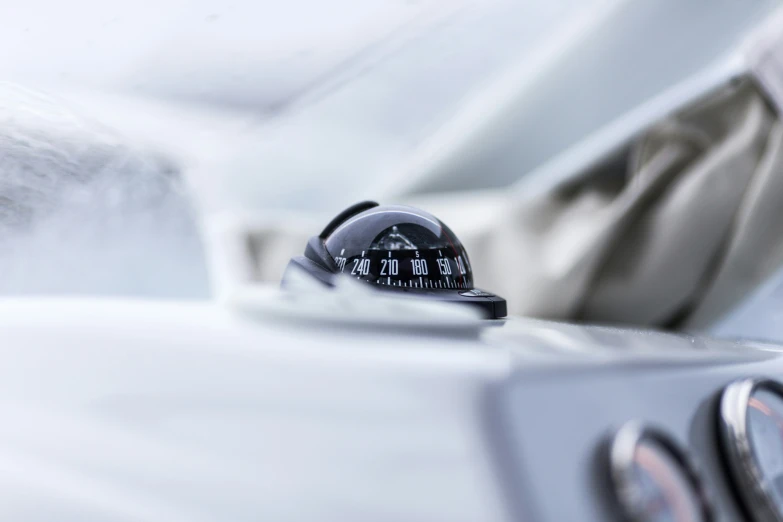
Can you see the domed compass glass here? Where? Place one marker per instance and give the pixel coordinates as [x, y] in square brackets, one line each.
[397, 248]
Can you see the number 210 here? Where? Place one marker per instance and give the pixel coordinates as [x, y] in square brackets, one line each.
[390, 267]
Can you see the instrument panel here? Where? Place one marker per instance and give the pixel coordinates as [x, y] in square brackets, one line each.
[646, 441]
[617, 430]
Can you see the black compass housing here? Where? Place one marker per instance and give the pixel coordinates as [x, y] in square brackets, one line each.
[396, 248]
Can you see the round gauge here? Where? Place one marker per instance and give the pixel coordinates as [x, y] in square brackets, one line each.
[400, 246]
[653, 480]
[752, 432]
[399, 249]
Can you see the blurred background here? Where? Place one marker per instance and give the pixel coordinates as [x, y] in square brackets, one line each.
[611, 161]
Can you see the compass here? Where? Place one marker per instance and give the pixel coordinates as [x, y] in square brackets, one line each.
[396, 248]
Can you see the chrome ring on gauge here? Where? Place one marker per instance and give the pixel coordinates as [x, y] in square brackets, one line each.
[653, 479]
[751, 426]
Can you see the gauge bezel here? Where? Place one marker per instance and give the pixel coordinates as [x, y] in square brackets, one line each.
[622, 448]
[754, 489]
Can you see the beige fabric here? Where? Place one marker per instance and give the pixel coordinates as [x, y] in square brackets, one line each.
[755, 249]
[676, 235]
[656, 266]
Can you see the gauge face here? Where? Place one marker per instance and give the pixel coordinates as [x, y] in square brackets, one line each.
[400, 247]
[752, 427]
[765, 427]
[652, 479]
